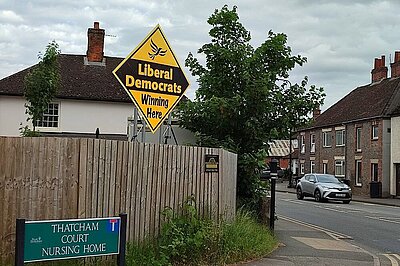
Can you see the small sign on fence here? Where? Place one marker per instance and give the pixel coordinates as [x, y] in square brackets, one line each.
[66, 239]
[212, 162]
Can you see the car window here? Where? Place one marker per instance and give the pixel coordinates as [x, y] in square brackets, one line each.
[307, 177]
[328, 179]
[312, 178]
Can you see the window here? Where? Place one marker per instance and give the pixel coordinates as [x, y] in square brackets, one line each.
[312, 166]
[302, 168]
[312, 143]
[50, 116]
[340, 137]
[303, 144]
[324, 168]
[339, 168]
[358, 173]
[374, 131]
[358, 138]
[326, 139]
[374, 172]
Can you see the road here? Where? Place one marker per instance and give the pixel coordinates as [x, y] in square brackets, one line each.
[375, 228]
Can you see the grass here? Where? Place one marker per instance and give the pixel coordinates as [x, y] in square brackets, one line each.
[242, 240]
[187, 239]
[246, 239]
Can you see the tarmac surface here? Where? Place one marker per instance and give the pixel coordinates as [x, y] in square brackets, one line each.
[304, 244]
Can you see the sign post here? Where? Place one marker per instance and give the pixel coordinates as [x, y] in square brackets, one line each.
[274, 174]
[67, 239]
[153, 79]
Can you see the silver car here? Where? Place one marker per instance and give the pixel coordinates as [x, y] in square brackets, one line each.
[323, 187]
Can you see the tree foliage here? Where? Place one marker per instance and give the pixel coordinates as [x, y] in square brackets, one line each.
[42, 83]
[244, 97]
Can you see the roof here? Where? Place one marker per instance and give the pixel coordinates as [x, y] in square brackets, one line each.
[376, 100]
[78, 81]
[279, 148]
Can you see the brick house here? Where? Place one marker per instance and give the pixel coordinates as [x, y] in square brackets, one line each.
[89, 98]
[358, 138]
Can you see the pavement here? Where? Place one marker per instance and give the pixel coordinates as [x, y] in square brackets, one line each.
[304, 244]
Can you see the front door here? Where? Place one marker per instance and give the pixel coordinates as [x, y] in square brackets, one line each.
[398, 180]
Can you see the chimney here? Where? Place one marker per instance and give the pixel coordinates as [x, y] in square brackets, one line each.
[380, 70]
[316, 112]
[395, 66]
[95, 44]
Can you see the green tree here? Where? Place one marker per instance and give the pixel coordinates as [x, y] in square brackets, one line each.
[42, 83]
[244, 97]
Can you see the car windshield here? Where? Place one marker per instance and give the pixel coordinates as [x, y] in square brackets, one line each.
[327, 179]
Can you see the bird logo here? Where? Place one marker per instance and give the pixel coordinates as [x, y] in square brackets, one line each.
[156, 51]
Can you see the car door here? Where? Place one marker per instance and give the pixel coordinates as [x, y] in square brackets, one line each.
[306, 184]
[312, 179]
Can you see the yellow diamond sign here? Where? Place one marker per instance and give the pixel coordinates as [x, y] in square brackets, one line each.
[153, 78]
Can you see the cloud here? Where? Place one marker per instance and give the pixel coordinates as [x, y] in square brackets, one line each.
[340, 38]
[9, 16]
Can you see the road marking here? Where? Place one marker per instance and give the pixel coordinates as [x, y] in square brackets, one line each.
[383, 219]
[328, 244]
[333, 234]
[392, 260]
[330, 209]
[293, 201]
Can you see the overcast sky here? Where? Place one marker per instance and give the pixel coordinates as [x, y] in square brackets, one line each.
[340, 38]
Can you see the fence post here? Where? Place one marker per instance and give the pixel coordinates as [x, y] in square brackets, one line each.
[122, 240]
[19, 242]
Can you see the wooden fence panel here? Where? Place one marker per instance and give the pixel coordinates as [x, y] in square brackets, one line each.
[59, 178]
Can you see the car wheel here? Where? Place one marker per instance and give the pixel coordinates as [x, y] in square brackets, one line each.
[299, 193]
[346, 201]
[317, 196]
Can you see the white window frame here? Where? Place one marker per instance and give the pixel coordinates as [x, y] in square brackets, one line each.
[324, 168]
[302, 168]
[340, 137]
[358, 174]
[48, 120]
[340, 164]
[375, 134]
[303, 144]
[373, 178]
[312, 143]
[327, 140]
[312, 166]
[358, 138]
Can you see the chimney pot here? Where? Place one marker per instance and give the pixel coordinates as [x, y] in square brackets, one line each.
[316, 112]
[95, 50]
[380, 70]
[396, 56]
[395, 66]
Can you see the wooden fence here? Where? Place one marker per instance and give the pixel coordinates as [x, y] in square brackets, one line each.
[60, 178]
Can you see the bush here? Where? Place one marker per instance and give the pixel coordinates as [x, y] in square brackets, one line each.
[187, 239]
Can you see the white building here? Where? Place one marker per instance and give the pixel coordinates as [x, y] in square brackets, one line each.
[89, 98]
